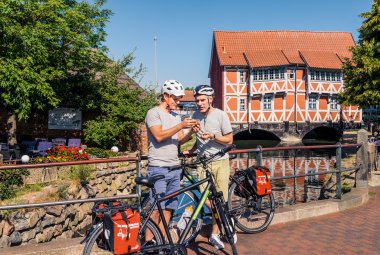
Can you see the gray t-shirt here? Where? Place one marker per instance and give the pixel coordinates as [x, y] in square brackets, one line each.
[163, 153]
[215, 122]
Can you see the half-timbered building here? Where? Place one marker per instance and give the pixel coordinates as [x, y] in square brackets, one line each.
[281, 77]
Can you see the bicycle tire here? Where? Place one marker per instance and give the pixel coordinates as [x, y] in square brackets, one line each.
[227, 231]
[93, 247]
[185, 199]
[252, 214]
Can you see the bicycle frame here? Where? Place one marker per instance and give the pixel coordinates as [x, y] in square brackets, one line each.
[157, 203]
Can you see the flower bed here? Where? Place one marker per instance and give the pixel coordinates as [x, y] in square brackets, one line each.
[62, 153]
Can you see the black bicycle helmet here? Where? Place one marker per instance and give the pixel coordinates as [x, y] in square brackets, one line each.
[203, 90]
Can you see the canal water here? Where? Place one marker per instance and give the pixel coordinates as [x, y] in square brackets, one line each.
[291, 162]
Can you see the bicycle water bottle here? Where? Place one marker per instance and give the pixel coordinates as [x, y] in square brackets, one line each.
[185, 217]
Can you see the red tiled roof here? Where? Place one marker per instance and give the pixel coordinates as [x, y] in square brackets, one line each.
[267, 58]
[188, 96]
[293, 56]
[230, 45]
[320, 59]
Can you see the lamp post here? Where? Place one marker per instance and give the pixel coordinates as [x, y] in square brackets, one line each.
[155, 58]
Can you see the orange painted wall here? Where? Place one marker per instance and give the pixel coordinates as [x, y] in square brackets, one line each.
[289, 101]
[256, 104]
[232, 76]
[232, 103]
[278, 102]
[229, 89]
[300, 75]
[323, 103]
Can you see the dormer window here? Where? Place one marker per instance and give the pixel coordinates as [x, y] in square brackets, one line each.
[321, 75]
[268, 74]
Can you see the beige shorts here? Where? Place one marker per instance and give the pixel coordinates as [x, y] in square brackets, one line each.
[220, 170]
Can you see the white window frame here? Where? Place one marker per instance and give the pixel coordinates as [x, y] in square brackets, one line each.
[312, 75]
[334, 103]
[291, 74]
[242, 104]
[313, 100]
[241, 77]
[267, 102]
[328, 76]
[268, 74]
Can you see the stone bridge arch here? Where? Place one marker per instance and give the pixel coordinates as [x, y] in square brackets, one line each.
[282, 131]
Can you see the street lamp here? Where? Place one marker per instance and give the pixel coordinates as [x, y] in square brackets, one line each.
[155, 58]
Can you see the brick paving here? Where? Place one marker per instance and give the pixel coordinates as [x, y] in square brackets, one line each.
[350, 232]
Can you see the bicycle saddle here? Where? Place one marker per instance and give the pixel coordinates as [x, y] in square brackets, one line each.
[148, 181]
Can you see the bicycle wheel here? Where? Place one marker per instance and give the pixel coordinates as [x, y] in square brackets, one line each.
[253, 214]
[225, 225]
[95, 246]
[184, 200]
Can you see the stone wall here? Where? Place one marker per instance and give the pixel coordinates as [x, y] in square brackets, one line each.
[65, 221]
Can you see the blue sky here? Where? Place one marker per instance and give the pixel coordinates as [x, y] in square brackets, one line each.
[184, 29]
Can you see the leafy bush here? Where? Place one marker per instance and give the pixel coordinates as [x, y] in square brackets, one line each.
[81, 174]
[122, 107]
[9, 180]
[102, 133]
[101, 153]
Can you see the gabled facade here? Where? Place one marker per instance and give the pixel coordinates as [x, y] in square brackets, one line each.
[281, 76]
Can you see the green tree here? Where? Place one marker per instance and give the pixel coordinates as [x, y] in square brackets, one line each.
[123, 107]
[49, 53]
[362, 72]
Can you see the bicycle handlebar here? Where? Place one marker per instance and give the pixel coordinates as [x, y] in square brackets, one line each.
[204, 159]
[228, 148]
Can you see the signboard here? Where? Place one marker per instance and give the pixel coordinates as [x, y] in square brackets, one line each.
[65, 119]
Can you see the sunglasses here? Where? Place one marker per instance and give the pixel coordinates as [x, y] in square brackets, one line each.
[176, 98]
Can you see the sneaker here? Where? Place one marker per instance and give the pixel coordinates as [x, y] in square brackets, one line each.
[215, 240]
[150, 243]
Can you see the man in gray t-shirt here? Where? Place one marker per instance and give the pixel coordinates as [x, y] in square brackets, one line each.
[164, 136]
[213, 132]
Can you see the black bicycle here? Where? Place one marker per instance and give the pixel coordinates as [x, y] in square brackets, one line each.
[158, 245]
[252, 213]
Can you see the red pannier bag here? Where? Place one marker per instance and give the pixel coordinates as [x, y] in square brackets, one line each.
[259, 178]
[121, 226]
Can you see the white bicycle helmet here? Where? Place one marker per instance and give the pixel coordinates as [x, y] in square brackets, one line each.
[172, 87]
[203, 90]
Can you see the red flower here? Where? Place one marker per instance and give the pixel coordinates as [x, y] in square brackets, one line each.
[63, 153]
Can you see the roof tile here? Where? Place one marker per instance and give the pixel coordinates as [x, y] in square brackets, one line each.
[189, 96]
[267, 58]
[230, 46]
[320, 59]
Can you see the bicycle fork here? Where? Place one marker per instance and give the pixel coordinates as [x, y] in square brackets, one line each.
[223, 220]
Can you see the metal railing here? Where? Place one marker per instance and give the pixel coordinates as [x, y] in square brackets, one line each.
[259, 159]
[259, 154]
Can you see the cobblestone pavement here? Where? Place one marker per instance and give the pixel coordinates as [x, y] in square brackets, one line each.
[350, 232]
